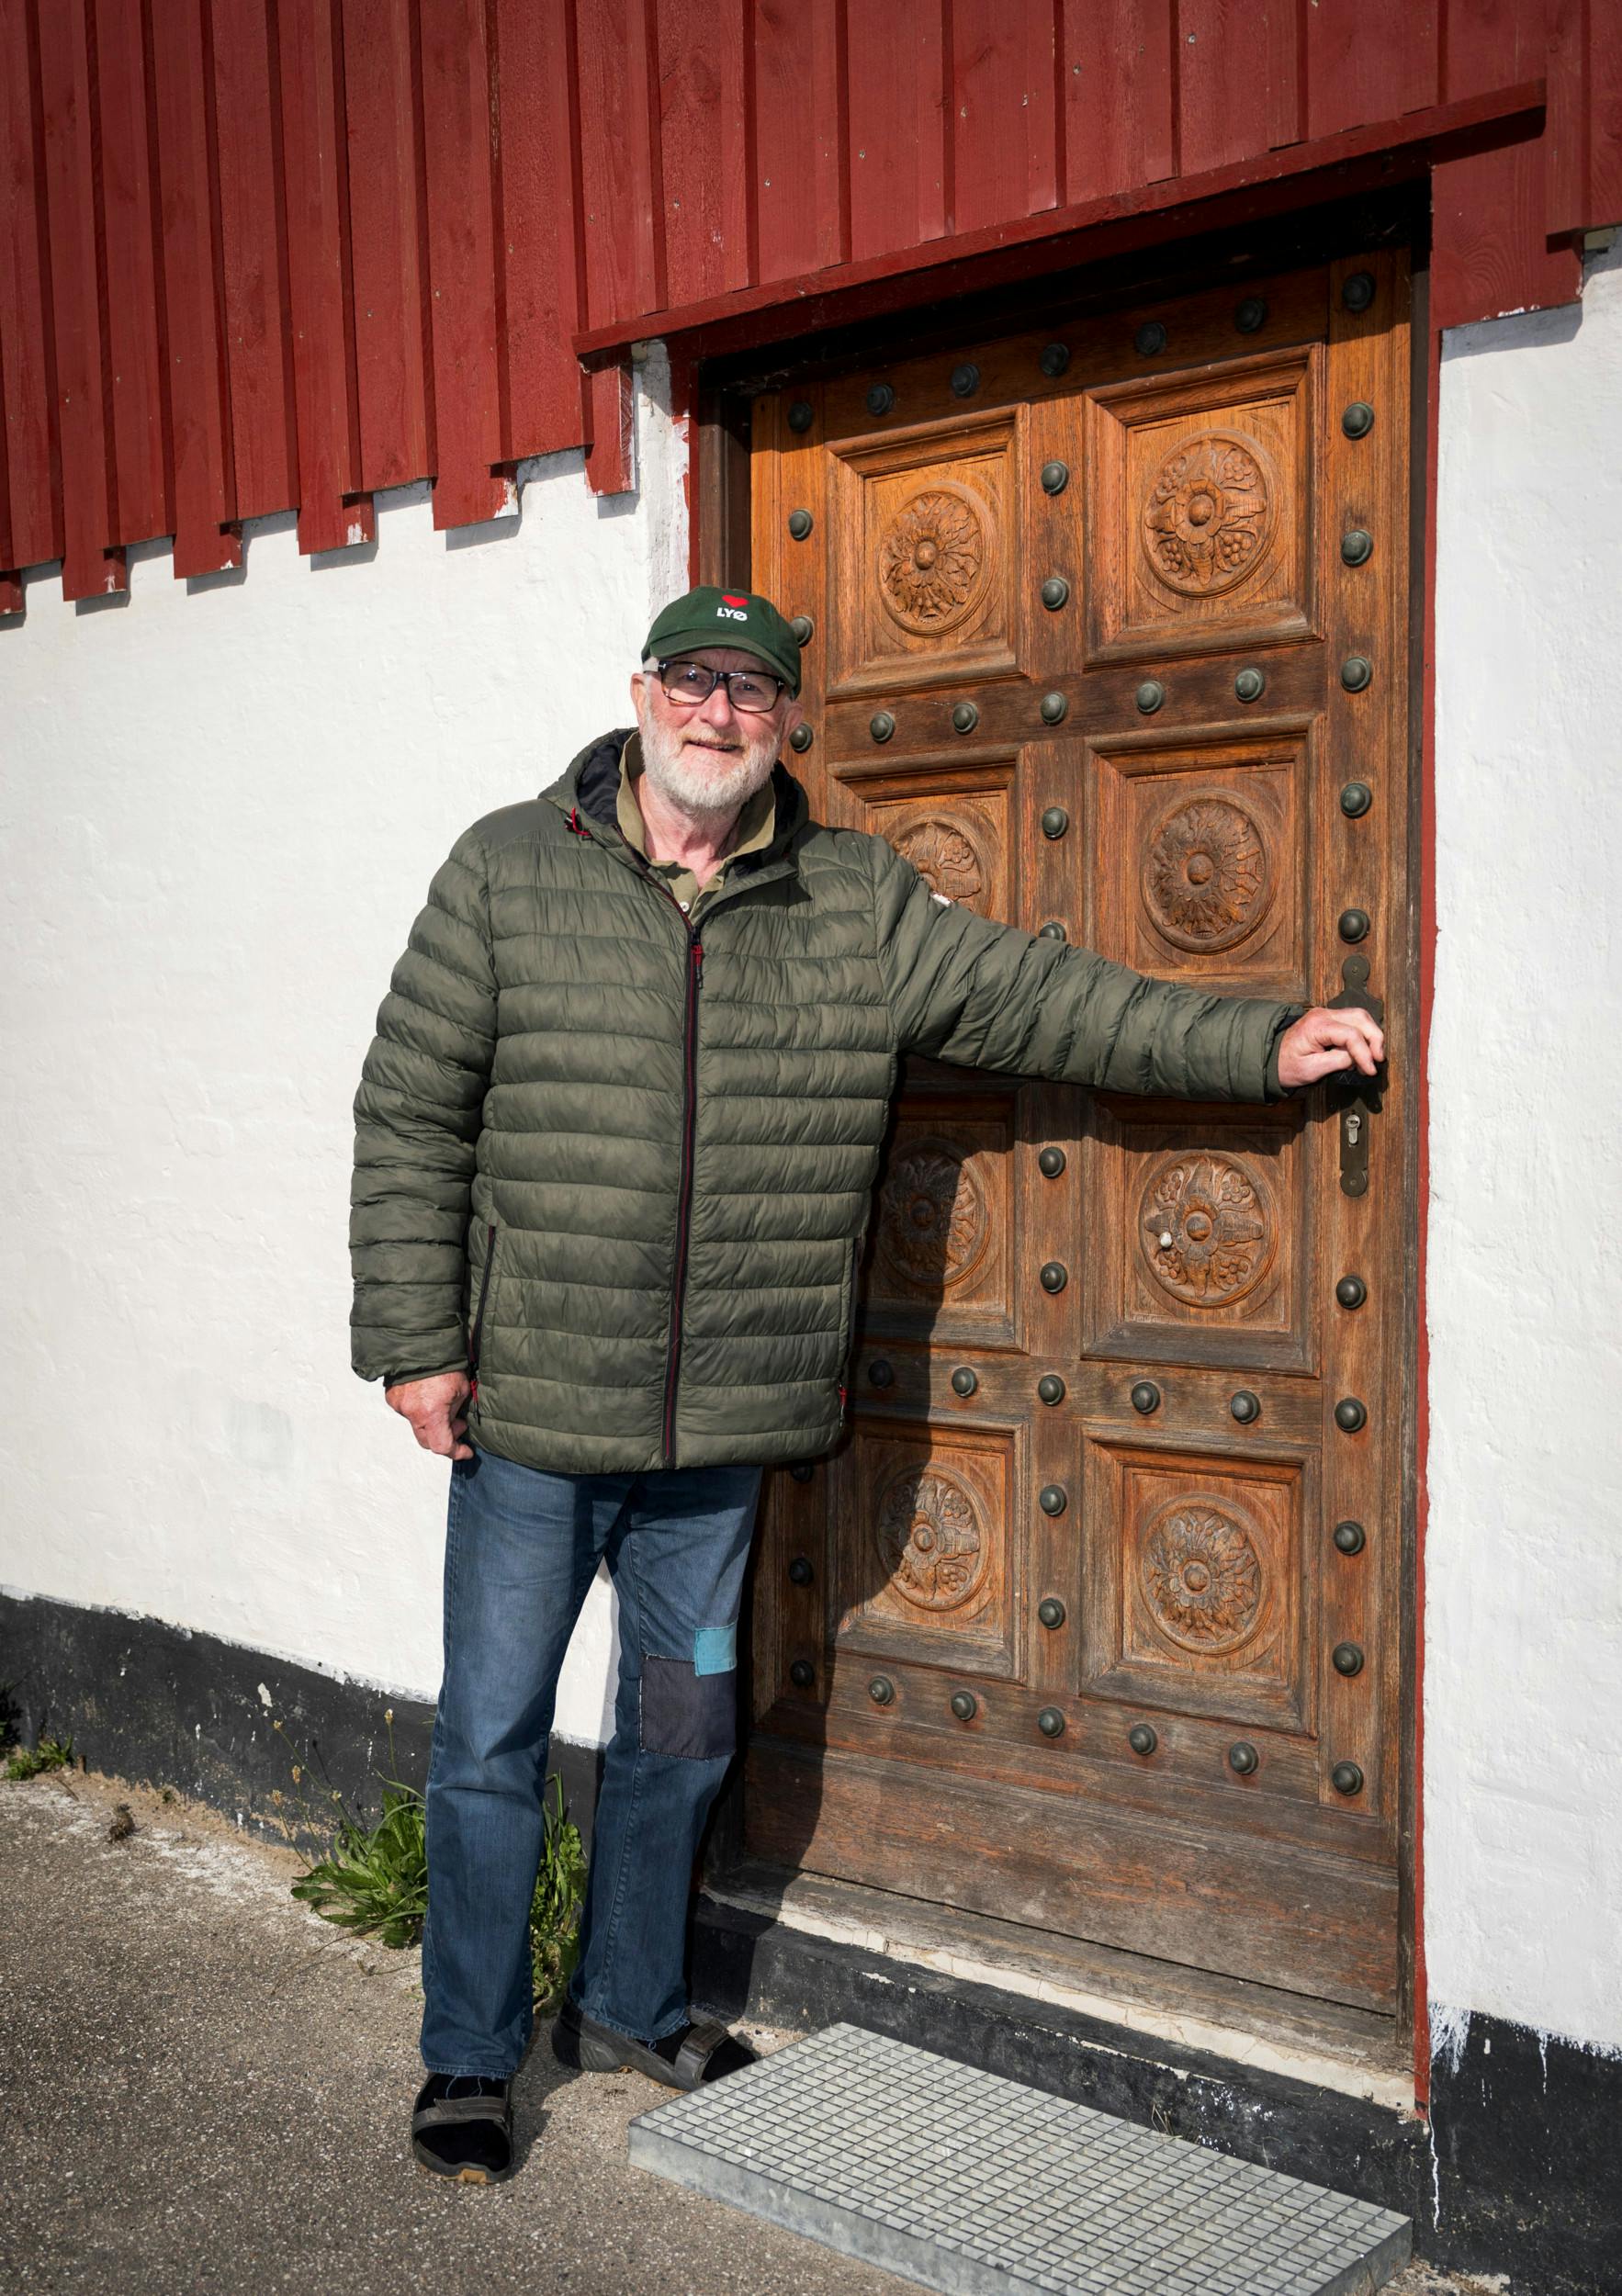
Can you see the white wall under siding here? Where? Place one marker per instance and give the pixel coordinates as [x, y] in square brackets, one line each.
[1522, 1798]
[219, 814]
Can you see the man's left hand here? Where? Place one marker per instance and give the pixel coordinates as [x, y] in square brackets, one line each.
[1327, 1039]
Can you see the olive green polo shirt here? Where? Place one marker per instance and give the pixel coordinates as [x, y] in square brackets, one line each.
[756, 825]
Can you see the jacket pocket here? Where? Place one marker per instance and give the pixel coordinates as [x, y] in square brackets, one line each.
[475, 1330]
[848, 1319]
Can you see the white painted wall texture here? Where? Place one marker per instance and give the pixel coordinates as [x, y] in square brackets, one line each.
[1523, 1795]
[219, 814]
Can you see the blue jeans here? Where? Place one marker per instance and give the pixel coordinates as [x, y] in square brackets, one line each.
[522, 1547]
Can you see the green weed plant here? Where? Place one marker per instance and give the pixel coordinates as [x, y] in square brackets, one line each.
[50, 1754]
[373, 1879]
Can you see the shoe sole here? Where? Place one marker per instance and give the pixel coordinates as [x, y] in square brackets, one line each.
[464, 2173]
[597, 2052]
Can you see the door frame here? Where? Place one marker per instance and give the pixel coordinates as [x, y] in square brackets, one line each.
[717, 393]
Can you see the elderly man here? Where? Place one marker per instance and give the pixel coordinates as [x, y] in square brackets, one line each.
[616, 1142]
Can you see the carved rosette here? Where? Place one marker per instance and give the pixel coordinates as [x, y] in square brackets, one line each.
[1206, 881]
[929, 1540]
[1206, 1228]
[932, 1224]
[933, 560]
[1201, 1575]
[1208, 514]
[945, 855]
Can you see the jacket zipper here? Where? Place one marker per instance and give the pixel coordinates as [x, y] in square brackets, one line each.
[473, 1337]
[684, 1180]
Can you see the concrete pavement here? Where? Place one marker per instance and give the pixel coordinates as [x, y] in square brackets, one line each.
[203, 2086]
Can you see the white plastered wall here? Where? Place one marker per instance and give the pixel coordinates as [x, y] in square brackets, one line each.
[1523, 1688]
[220, 804]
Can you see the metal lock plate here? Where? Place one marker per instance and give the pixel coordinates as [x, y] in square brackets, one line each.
[1357, 1097]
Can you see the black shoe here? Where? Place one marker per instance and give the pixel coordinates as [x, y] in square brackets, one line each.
[462, 2127]
[687, 2058]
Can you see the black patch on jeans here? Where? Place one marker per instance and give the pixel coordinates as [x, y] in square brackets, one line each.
[684, 1712]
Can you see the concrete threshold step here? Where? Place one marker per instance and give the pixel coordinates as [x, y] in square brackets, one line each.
[969, 2182]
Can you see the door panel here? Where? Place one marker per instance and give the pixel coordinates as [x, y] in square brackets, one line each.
[1092, 1621]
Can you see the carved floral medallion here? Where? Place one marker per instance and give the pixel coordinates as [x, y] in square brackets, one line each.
[932, 1225]
[1206, 881]
[1208, 514]
[928, 1539]
[945, 855]
[1207, 1229]
[1201, 1575]
[933, 560]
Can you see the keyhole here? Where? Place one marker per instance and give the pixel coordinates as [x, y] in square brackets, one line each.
[1353, 1126]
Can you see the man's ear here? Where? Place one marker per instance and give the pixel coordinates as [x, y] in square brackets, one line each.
[792, 716]
[638, 680]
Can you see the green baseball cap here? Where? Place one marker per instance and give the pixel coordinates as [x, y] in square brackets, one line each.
[708, 616]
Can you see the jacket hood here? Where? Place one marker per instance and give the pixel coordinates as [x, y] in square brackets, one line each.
[592, 782]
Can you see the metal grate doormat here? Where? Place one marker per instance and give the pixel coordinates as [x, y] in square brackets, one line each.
[969, 2182]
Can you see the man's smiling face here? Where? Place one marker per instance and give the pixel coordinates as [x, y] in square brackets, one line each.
[705, 758]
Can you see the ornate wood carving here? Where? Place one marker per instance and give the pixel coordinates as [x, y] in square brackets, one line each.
[1194, 1583]
[945, 852]
[1202, 1574]
[1207, 1229]
[1210, 513]
[1200, 867]
[1206, 878]
[1201, 494]
[934, 1221]
[932, 559]
[930, 1539]
[923, 529]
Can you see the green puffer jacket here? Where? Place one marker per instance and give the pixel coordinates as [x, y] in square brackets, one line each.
[625, 1178]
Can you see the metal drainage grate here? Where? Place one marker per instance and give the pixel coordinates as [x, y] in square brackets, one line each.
[977, 2185]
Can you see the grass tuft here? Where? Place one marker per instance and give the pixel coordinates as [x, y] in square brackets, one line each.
[373, 1879]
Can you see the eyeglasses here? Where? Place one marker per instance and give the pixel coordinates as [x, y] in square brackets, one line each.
[752, 691]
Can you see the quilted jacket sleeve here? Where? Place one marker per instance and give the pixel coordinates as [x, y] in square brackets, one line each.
[988, 996]
[417, 1119]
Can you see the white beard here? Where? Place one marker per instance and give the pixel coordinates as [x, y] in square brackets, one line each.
[707, 785]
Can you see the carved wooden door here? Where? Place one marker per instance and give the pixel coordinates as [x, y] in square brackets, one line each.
[1093, 1620]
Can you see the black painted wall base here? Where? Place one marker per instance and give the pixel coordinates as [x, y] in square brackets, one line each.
[163, 1706]
[1518, 2171]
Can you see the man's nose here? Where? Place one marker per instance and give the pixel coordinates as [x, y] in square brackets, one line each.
[716, 708]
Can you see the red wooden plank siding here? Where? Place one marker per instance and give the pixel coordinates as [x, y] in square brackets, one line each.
[200, 411]
[1362, 65]
[27, 383]
[462, 265]
[1119, 85]
[897, 127]
[333, 510]
[802, 174]
[611, 458]
[129, 207]
[259, 350]
[1003, 111]
[1489, 249]
[542, 245]
[1583, 144]
[255, 253]
[90, 564]
[387, 231]
[707, 146]
[619, 158]
[1237, 80]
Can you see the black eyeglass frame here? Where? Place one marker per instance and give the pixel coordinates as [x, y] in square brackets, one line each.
[720, 678]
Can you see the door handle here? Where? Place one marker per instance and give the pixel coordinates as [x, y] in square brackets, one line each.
[1354, 1095]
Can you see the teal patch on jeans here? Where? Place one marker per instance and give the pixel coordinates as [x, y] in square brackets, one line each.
[715, 1650]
